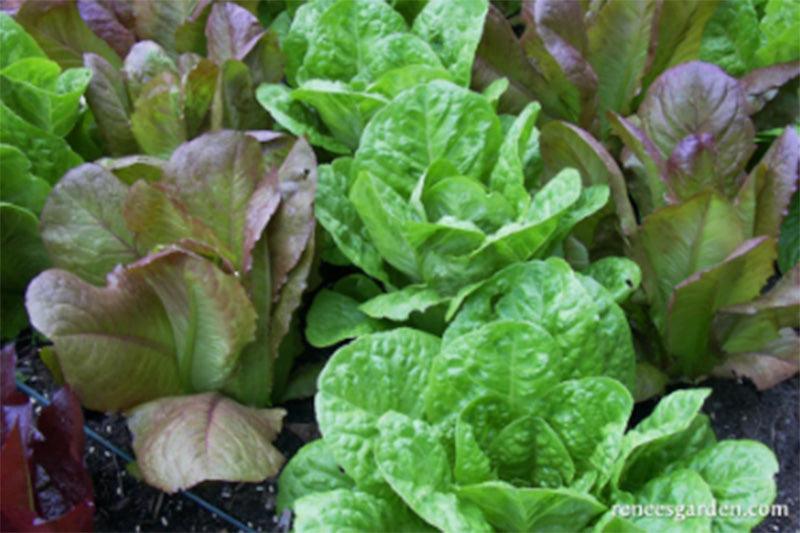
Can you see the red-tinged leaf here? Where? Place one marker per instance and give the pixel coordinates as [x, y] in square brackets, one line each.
[15, 483]
[108, 99]
[692, 305]
[696, 98]
[677, 241]
[619, 38]
[168, 324]
[159, 21]
[500, 55]
[565, 145]
[678, 31]
[198, 86]
[59, 29]
[691, 168]
[763, 369]
[291, 228]
[110, 21]
[231, 32]
[567, 72]
[764, 199]
[184, 440]
[762, 85]
[756, 326]
[221, 181]
[648, 188]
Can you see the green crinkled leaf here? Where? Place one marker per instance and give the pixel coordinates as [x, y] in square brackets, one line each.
[337, 215]
[19, 186]
[510, 508]
[399, 305]
[398, 51]
[429, 122]
[516, 361]
[182, 441]
[395, 81]
[340, 42]
[15, 43]
[50, 156]
[618, 275]
[384, 212]
[676, 489]
[344, 112]
[349, 404]
[295, 117]
[454, 30]
[311, 470]
[589, 415]
[471, 464]
[83, 227]
[24, 256]
[508, 176]
[674, 430]
[549, 295]
[779, 28]
[731, 37]
[415, 464]
[354, 510]
[528, 452]
[740, 473]
[37, 90]
[334, 317]
[295, 45]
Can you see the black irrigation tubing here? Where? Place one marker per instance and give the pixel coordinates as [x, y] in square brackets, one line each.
[92, 434]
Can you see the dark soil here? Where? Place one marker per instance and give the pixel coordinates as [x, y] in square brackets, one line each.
[737, 410]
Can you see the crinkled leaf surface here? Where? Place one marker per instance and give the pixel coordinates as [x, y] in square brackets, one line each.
[438, 120]
[312, 469]
[416, 466]
[512, 508]
[372, 375]
[553, 298]
[181, 441]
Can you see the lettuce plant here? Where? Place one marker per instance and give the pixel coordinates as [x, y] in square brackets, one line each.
[173, 296]
[437, 198]
[708, 240]
[742, 36]
[159, 99]
[345, 59]
[45, 484]
[39, 105]
[514, 421]
[580, 60]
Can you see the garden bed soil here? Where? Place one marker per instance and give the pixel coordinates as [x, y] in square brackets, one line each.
[124, 503]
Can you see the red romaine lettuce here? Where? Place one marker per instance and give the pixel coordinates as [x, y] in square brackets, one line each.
[203, 267]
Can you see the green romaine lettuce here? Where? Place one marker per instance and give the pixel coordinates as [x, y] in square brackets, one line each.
[519, 445]
[345, 57]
